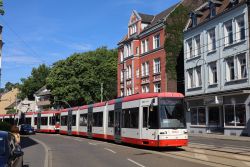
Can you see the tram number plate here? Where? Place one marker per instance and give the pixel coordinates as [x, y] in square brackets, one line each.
[175, 131]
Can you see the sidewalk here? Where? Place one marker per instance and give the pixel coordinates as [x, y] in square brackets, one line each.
[222, 137]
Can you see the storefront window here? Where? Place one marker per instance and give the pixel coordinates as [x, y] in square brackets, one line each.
[201, 116]
[193, 116]
[198, 116]
[235, 115]
[240, 113]
[229, 115]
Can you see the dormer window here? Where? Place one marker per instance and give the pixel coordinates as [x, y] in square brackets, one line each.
[133, 29]
[212, 8]
[193, 17]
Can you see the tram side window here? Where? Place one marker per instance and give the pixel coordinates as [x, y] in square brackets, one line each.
[111, 118]
[153, 117]
[130, 118]
[44, 120]
[35, 121]
[97, 119]
[83, 119]
[73, 120]
[28, 121]
[52, 120]
[64, 120]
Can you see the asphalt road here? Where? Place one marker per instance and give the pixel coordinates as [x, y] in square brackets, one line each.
[66, 151]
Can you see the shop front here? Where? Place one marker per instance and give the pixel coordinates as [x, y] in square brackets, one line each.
[221, 114]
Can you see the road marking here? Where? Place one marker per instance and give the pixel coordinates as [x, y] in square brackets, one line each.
[135, 162]
[78, 139]
[48, 154]
[110, 150]
[94, 144]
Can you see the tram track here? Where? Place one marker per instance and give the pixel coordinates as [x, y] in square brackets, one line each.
[217, 157]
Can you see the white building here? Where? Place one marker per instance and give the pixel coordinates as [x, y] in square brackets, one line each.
[216, 62]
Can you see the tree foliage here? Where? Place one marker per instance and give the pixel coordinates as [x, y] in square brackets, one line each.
[174, 33]
[1, 7]
[34, 82]
[78, 79]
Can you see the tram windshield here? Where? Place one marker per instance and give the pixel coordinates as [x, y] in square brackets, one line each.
[172, 113]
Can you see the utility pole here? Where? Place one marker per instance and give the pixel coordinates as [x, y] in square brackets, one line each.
[101, 91]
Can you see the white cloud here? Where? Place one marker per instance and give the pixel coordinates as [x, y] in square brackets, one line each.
[24, 60]
[73, 45]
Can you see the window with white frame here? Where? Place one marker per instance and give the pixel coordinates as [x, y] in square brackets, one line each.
[156, 43]
[129, 91]
[137, 73]
[122, 79]
[212, 69]
[157, 87]
[198, 116]
[129, 72]
[121, 56]
[230, 73]
[145, 69]
[189, 48]
[240, 28]
[235, 115]
[144, 46]
[242, 69]
[197, 45]
[122, 93]
[133, 29]
[190, 78]
[198, 80]
[145, 88]
[211, 40]
[228, 33]
[157, 66]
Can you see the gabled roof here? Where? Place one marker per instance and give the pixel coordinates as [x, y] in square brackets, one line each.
[222, 6]
[43, 91]
[146, 18]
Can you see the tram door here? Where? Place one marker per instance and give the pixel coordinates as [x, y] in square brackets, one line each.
[90, 120]
[39, 121]
[69, 122]
[118, 122]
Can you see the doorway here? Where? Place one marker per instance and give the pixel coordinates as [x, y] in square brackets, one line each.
[215, 119]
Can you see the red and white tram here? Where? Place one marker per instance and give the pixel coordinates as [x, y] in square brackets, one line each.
[150, 119]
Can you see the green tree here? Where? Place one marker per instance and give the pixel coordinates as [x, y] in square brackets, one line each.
[34, 82]
[78, 78]
[1, 7]
[9, 86]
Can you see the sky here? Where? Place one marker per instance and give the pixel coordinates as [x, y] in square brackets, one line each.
[45, 31]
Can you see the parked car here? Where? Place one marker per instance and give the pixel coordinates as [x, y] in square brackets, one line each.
[11, 154]
[26, 129]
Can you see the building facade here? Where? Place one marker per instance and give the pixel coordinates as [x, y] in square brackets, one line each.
[42, 99]
[141, 55]
[216, 62]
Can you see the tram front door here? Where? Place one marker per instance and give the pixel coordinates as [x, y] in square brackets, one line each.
[69, 122]
[118, 123]
[90, 121]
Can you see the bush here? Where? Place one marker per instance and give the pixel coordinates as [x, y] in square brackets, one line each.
[4, 126]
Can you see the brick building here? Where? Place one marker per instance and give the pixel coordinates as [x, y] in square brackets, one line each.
[141, 54]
